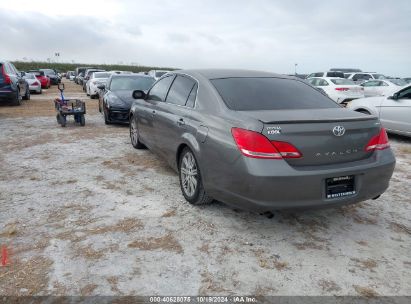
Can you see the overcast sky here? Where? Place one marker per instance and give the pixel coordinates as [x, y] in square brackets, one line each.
[266, 35]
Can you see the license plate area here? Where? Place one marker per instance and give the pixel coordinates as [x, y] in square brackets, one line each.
[341, 186]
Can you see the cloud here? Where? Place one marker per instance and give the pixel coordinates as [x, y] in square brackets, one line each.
[262, 34]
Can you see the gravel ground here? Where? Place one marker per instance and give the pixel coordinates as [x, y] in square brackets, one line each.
[83, 213]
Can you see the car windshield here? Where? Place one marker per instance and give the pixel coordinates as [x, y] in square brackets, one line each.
[378, 76]
[269, 93]
[102, 75]
[342, 81]
[398, 82]
[159, 74]
[131, 83]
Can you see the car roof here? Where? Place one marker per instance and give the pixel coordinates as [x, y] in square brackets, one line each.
[130, 75]
[230, 73]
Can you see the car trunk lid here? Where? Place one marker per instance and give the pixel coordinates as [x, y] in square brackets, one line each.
[323, 136]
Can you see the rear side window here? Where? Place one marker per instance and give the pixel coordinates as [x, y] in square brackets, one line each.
[159, 91]
[180, 90]
[269, 93]
[192, 97]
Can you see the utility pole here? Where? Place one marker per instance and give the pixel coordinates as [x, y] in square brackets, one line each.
[295, 69]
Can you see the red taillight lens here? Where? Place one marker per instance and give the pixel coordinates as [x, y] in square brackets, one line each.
[286, 149]
[256, 145]
[36, 83]
[6, 77]
[341, 89]
[378, 142]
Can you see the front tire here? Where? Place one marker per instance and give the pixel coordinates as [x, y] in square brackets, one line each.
[106, 120]
[134, 136]
[191, 183]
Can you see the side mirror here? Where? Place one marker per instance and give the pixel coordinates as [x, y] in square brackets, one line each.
[101, 86]
[394, 96]
[138, 94]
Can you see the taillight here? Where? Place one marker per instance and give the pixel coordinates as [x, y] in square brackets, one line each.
[256, 145]
[36, 83]
[6, 77]
[286, 149]
[378, 142]
[341, 89]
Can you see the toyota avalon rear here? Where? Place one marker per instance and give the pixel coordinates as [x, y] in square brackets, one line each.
[261, 141]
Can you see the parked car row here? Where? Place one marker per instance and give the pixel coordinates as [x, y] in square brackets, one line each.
[114, 89]
[354, 84]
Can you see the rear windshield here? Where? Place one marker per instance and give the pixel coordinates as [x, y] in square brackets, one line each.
[335, 74]
[102, 75]
[269, 93]
[131, 83]
[398, 82]
[159, 74]
[49, 72]
[378, 76]
[29, 76]
[342, 81]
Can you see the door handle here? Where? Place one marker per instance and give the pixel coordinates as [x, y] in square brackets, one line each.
[181, 122]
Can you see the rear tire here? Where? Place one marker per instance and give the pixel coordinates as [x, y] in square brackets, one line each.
[27, 95]
[191, 183]
[63, 120]
[17, 99]
[134, 136]
[82, 120]
[106, 120]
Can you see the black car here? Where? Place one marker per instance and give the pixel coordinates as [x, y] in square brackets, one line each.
[13, 87]
[50, 73]
[117, 99]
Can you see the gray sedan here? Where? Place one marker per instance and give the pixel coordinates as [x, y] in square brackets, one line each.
[260, 141]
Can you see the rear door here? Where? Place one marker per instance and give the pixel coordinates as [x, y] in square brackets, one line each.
[396, 114]
[21, 81]
[173, 119]
[147, 111]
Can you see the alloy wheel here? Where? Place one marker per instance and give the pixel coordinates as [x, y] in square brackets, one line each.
[189, 177]
[134, 132]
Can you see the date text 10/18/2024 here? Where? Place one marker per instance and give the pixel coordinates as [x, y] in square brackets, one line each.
[203, 299]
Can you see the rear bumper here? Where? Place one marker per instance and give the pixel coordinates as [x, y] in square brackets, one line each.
[35, 88]
[263, 186]
[7, 95]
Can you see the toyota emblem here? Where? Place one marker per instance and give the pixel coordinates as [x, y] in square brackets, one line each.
[338, 130]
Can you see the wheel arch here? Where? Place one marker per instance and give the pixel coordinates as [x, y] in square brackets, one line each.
[189, 141]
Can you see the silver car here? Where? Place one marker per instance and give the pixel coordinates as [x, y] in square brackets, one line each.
[260, 141]
[33, 82]
[393, 110]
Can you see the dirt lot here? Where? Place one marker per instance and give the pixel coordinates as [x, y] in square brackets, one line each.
[84, 213]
